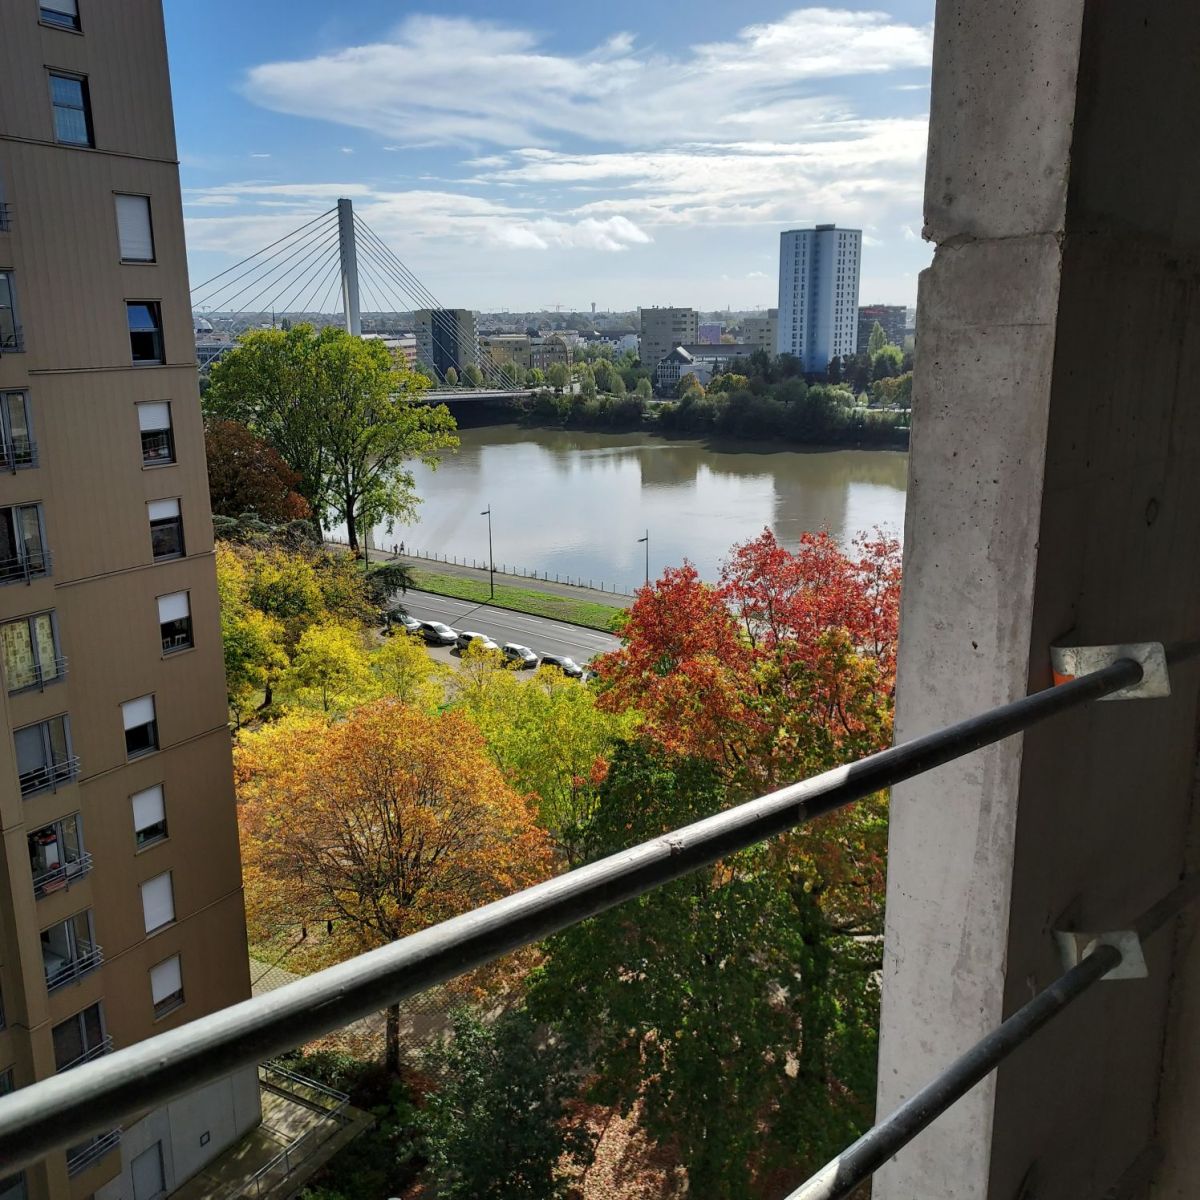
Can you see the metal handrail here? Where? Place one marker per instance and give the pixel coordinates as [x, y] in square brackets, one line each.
[340, 1099]
[79, 966]
[48, 1114]
[44, 883]
[5, 217]
[14, 343]
[42, 675]
[17, 452]
[94, 1150]
[49, 775]
[101, 1048]
[25, 566]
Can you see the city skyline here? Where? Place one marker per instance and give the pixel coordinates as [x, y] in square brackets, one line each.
[626, 158]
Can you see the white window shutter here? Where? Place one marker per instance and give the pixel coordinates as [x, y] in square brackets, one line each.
[158, 902]
[133, 228]
[136, 713]
[173, 607]
[152, 418]
[166, 979]
[162, 510]
[148, 807]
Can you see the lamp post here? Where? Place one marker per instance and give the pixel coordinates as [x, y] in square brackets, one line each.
[646, 539]
[487, 512]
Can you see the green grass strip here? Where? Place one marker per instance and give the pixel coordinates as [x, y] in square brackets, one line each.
[589, 613]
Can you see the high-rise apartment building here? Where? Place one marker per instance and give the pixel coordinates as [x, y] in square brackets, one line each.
[762, 331]
[121, 909]
[892, 318]
[446, 337]
[662, 330]
[818, 294]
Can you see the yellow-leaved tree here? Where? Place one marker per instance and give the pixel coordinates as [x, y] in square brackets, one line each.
[383, 823]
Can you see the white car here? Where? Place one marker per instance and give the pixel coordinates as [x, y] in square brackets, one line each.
[469, 637]
[438, 634]
[520, 656]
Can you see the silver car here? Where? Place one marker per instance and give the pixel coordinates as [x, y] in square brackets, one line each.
[438, 634]
[520, 656]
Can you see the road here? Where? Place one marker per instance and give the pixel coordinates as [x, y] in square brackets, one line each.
[540, 634]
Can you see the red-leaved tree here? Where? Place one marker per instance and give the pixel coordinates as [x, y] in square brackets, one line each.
[247, 474]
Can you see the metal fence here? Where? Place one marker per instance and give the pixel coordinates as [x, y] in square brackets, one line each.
[58, 1112]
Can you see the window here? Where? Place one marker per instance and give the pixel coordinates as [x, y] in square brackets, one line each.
[72, 109]
[30, 650]
[22, 552]
[56, 855]
[147, 1170]
[79, 1038]
[166, 986]
[175, 622]
[141, 728]
[145, 331]
[69, 950]
[134, 230]
[6, 1082]
[149, 816]
[158, 438]
[166, 529]
[10, 328]
[158, 902]
[17, 448]
[44, 758]
[13, 1187]
[64, 13]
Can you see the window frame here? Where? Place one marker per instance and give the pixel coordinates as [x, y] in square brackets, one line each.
[16, 343]
[155, 308]
[12, 457]
[89, 1050]
[176, 645]
[54, 773]
[153, 259]
[22, 559]
[169, 431]
[153, 745]
[69, 972]
[40, 679]
[169, 877]
[48, 14]
[173, 1000]
[164, 522]
[53, 878]
[140, 843]
[53, 73]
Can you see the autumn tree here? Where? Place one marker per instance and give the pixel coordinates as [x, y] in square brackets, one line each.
[382, 823]
[403, 671]
[330, 666]
[246, 474]
[251, 641]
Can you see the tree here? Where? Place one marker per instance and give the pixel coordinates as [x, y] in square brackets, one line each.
[877, 340]
[451, 377]
[500, 1127]
[245, 474]
[536, 377]
[604, 374]
[643, 390]
[251, 641]
[403, 671]
[886, 362]
[558, 375]
[472, 375]
[384, 822]
[834, 373]
[722, 1000]
[616, 385]
[331, 666]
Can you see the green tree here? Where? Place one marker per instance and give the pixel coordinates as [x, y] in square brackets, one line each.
[834, 373]
[404, 671]
[331, 666]
[472, 375]
[451, 377]
[877, 340]
[886, 362]
[501, 1127]
[558, 375]
[536, 377]
[643, 390]
[616, 385]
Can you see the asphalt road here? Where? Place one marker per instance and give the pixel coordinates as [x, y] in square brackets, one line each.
[540, 634]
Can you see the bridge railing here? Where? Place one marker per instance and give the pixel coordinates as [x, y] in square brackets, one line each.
[98, 1095]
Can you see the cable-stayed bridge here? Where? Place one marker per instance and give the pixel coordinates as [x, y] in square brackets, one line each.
[337, 259]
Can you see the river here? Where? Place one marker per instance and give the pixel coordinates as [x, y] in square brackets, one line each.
[575, 503]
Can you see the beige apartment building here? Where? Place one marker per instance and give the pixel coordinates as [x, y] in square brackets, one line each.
[121, 909]
[662, 330]
[762, 332]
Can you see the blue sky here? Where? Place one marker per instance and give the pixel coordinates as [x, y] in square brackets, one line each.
[515, 156]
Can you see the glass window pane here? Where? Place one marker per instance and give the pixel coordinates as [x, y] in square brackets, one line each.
[141, 317]
[70, 125]
[43, 632]
[93, 1026]
[20, 670]
[68, 1042]
[31, 749]
[66, 91]
[31, 533]
[57, 729]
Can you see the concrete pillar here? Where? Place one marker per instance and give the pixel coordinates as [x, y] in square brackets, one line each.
[1052, 493]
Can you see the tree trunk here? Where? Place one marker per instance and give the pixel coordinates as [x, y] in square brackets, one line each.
[392, 1051]
[351, 529]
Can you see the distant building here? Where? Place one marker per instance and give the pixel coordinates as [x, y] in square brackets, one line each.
[545, 351]
[662, 330]
[762, 332]
[402, 345]
[818, 294]
[709, 334]
[673, 366]
[446, 337]
[892, 317]
[723, 356]
[503, 348]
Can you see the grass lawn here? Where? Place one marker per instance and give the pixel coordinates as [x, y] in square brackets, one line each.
[521, 599]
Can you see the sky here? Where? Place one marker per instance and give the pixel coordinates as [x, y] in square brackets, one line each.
[517, 157]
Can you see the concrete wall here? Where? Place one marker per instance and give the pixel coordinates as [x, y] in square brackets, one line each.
[1056, 444]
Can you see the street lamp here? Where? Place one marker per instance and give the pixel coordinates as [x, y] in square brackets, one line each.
[487, 512]
[646, 539]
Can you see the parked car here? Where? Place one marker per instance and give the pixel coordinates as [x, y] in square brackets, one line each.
[521, 656]
[562, 662]
[438, 634]
[398, 619]
[469, 637]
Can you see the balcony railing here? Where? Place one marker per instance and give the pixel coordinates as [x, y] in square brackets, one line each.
[17, 452]
[58, 878]
[5, 217]
[101, 1048]
[88, 959]
[54, 1112]
[50, 776]
[46, 671]
[93, 1151]
[27, 566]
[12, 340]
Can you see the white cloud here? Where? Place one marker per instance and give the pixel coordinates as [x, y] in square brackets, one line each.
[909, 234]
[347, 150]
[457, 80]
[260, 156]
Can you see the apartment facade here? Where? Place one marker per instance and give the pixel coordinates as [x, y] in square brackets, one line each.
[446, 337]
[662, 330]
[762, 332]
[501, 348]
[121, 909]
[818, 294]
[892, 318]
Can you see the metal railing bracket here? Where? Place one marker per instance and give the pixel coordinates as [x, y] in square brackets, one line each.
[1068, 662]
[1075, 947]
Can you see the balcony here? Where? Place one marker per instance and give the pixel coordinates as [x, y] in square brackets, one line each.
[12, 340]
[18, 452]
[100, 1049]
[79, 1158]
[5, 217]
[50, 776]
[19, 568]
[58, 878]
[60, 972]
